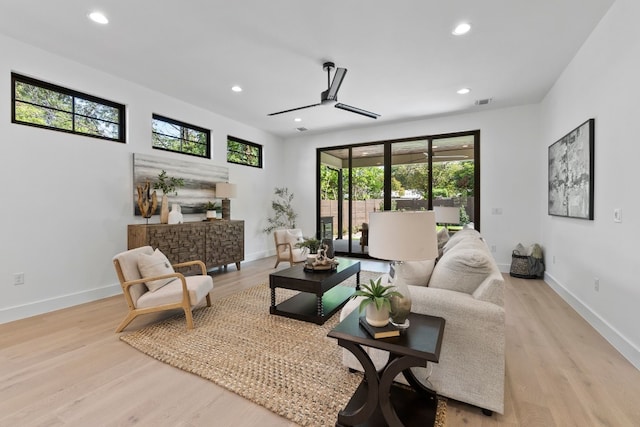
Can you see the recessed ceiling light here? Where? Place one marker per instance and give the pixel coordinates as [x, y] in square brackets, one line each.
[297, 119]
[464, 91]
[98, 17]
[461, 29]
[236, 88]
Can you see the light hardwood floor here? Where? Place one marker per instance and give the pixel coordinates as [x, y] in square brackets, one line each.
[68, 368]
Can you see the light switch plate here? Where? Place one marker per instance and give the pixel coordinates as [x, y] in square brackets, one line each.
[617, 215]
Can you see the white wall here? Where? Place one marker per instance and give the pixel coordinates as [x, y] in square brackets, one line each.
[508, 174]
[67, 199]
[602, 83]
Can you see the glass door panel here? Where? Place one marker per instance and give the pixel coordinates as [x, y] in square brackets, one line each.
[454, 172]
[366, 192]
[410, 175]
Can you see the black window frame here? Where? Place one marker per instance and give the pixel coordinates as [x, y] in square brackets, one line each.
[121, 124]
[180, 123]
[248, 143]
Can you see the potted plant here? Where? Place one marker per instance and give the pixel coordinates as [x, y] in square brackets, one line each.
[212, 209]
[310, 244]
[167, 184]
[376, 302]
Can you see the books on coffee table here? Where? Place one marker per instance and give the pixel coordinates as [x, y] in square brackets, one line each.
[379, 332]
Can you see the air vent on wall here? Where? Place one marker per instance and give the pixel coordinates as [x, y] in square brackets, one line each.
[302, 129]
[483, 101]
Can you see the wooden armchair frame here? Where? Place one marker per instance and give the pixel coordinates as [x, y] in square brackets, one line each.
[185, 304]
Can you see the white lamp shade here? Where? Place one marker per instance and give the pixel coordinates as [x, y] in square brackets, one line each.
[225, 190]
[447, 214]
[403, 236]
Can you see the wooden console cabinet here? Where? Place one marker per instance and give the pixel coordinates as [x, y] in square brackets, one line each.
[216, 243]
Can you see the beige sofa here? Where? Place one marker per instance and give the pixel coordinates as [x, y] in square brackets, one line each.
[465, 287]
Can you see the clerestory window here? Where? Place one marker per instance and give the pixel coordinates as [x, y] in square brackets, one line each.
[41, 104]
[244, 152]
[173, 135]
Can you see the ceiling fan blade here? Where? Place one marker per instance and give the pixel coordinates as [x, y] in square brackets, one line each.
[332, 92]
[357, 110]
[293, 109]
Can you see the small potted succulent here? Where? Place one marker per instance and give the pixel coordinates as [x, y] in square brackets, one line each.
[376, 302]
[212, 210]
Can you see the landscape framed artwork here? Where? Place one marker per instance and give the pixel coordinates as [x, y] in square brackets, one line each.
[571, 167]
[199, 181]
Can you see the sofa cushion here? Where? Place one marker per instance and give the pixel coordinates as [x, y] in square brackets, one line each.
[462, 270]
[416, 273]
[460, 236]
[155, 265]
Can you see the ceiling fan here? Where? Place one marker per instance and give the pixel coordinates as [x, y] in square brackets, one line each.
[330, 96]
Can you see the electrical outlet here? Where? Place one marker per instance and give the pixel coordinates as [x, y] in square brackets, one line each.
[496, 211]
[18, 279]
[554, 259]
[596, 284]
[493, 248]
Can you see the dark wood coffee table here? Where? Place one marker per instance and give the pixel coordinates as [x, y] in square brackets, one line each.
[378, 401]
[319, 296]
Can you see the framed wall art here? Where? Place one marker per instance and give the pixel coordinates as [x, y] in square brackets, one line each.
[571, 173]
[199, 181]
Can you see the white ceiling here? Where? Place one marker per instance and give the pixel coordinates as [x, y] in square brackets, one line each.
[402, 60]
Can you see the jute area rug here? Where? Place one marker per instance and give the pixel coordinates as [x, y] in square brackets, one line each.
[290, 367]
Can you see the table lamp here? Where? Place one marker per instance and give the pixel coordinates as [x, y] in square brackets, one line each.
[447, 215]
[400, 236]
[226, 191]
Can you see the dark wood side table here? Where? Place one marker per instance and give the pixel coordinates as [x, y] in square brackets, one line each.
[319, 296]
[378, 401]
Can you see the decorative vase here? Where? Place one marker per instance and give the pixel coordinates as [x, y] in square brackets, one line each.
[377, 317]
[400, 306]
[175, 216]
[164, 210]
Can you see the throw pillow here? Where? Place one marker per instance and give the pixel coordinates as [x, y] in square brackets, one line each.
[294, 236]
[416, 273]
[462, 270]
[443, 238]
[155, 265]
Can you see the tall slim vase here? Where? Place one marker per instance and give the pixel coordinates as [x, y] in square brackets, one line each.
[164, 210]
[400, 306]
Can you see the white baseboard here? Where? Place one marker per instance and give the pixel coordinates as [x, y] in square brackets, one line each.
[608, 332]
[9, 314]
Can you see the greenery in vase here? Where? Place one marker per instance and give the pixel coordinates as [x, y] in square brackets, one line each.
[168, 184]
[283, 214]
[310, 243]
[376, 293]
[211, 206]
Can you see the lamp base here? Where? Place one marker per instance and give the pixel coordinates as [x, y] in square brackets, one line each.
[400, 326]
[226, 209]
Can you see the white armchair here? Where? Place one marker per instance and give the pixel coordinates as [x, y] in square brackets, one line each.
[150, 284]
[286, 249]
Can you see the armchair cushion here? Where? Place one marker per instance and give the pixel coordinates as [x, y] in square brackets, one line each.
[156, 264]
[197, 286]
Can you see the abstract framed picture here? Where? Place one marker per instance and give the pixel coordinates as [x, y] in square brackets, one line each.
[571, 173]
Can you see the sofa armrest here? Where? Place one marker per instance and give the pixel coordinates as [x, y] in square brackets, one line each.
[451, 304]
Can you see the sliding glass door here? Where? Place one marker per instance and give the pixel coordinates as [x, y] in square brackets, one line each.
[439, 172]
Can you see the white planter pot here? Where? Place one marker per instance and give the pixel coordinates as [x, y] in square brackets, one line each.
[375, 317]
